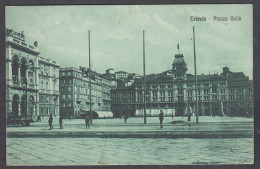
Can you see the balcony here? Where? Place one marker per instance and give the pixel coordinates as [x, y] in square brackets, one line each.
[16, 80]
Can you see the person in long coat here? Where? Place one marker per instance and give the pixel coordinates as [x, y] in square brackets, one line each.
[161, 118]
[87, 121]
[50, 121]
[60, 121]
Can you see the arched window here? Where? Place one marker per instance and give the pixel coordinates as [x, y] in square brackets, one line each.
[24, 105]
[15, 66]
[23, 67]
[15, 105]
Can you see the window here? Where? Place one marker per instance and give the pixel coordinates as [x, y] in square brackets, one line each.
[214, 88]
[206, 92]
[180, 98]
[189, 84]
[206, 98]
[180, 91]
[205, 84]
[162, 86]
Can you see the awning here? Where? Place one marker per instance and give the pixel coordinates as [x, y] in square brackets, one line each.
[102, 114]
[98, 114]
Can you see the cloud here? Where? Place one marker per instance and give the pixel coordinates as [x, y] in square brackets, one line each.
[116, 35]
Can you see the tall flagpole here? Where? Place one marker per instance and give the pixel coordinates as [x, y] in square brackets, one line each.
[144, 82]
[196, 81]
[90, 98]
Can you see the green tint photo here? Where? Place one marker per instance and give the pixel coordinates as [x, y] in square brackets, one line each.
[129, 85]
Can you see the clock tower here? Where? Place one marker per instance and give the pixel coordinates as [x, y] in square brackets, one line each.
[179, 68]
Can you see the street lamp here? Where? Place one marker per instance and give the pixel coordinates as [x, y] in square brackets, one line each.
[196, 82]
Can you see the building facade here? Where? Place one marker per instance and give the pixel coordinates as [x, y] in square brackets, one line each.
[228, 93]
[23, 76]
[121, 75]
[75, 92]
[48, 75]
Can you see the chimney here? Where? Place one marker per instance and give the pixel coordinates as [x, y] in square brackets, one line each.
[36, 44]
[225, 70]
[22, 35]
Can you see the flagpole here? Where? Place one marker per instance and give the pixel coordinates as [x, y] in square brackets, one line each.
[144, 93]
[196, 81]
[90, 98]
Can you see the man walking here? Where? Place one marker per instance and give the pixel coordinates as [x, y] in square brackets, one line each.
[189, 116]
[87, 121]
[50, 121]
[161, 118]
[60, 121]
[188, 122]
[125, 116]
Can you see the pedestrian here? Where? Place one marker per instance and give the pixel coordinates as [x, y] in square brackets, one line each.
[87, 121]
[161, 118]
[125, 117]
[50, 121]
[188, 122]
[60, 121]
[189, 117]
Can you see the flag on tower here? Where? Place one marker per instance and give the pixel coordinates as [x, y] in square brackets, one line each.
[178, 46]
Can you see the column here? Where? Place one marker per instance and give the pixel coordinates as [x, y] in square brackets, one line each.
[26, 74]
[210, 108]
[19, 74]
[202, 108]
[33, 78]
[36, 83]
[33, 110]
[194, 108]
[9, 76]
[19, 108]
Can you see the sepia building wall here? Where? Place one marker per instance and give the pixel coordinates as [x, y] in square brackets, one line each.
[75, 93]
[228, 93]
[123, 101]
[22, 77]
[48, 73]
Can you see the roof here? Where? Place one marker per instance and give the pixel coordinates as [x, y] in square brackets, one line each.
[205, 77]
[94, 73]
[239, 83]
[121, 72]
[123, 88]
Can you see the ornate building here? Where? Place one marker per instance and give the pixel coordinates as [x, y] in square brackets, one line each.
[75, 93]
[48, 75]
[23, 78]
[230, 93]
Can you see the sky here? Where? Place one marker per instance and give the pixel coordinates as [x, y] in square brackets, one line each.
[116, 36]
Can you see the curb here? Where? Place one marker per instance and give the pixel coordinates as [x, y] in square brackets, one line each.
[134, 134]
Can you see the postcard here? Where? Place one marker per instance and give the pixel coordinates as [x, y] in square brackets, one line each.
[129, 85]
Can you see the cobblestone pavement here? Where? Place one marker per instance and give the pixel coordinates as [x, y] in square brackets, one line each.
[44, 150]
[128, 151]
